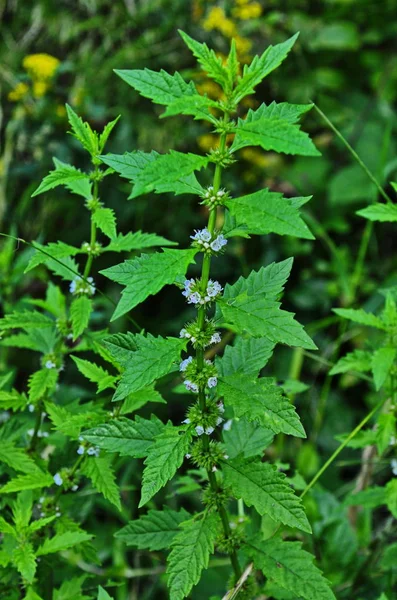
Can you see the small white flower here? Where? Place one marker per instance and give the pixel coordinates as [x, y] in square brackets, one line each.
[4, 416]
[188, 456]
[218, 243]
[80, 438]
[188, 283]
[42, 514]
[209, 430]
[72, 287]
[221, 193]
[31, 408]
[219, 420]
[213, 288]
[202, 235]
[190, 386]
[225, 456]
[199, 430]
[215, 338]
[58, 479]
[50, 364]
[394, 466]
[228, 425]
[194, 298]
[212, 381]
[187, 421]
[44, 434]
[75, 487]
[185, 363]
[92, 451]
[183, 333]
[80, 450]
[214, 469]
[206, 245]
[221, 408]
[192, 339]
[30, 432]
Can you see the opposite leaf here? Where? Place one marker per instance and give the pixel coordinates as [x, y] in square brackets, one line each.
[154, 531]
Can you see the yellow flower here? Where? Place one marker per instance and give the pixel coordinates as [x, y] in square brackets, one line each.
[39, 88]
[217, 19]
[60, 111]
[41, 67]
[208, 141]
[243, 47]
[248, 11]
[19, 92]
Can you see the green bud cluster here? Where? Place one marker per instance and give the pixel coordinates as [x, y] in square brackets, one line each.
[222, 158]
[94, 249]
[213, 499]
[209, 419]
[207, 458]
[200, 338]
[92, 204]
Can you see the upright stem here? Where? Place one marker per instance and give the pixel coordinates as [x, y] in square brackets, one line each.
[90, 256]
[205, 273]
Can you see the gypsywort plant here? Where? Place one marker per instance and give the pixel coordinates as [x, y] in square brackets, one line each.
[232, 414]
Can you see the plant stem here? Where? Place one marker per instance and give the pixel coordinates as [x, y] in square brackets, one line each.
[90, 256]
[34, 439]
[205, 273]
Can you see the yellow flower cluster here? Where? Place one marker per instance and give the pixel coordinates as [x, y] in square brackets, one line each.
[217, 19]
[19, 92]
[246, 10]
[41, 67]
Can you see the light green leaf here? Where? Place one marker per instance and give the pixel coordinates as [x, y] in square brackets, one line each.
[103, 138]
[283, 110]
[29, 481]
[196, 106]
[7, 528]
[129, 164]
[382, 361]
[42, 382]
[71, 589]
[22, 509]
[153, 358]
[191, 550]
[164, 458]
[63, 174]
[44, 254]
[70, 424]
[391, 496]
[371, 497]
[386, 431]
[129, 438]
[146, 275]
[105, 219]
[261, 66]
[24, 560]
[261, 400]
[209, 61]
[273, 134]
[80, 311]
[154, 531]
[102, 594]
[136, 241]
[95, 373]
[269, 280]
[358, 360]
[360, 316]
[268, 212]
[138, 399]
[25, 320]
[247, 355]
[261, 485]
[16, 457]
[13, 400]
[380, 212]
[82, 132]
[160, 87]
[100, 472]
[246, 438]
[290, 567]
[63, 541]
[31, 595]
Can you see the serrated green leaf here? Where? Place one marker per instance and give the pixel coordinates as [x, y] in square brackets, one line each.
[283, 110]
[358, 360]
[261, 66]
[103, 138]
[31, 595]
[24, 560]
[246, 438]
[129, 164]
[382, 361]
[273, 134]
[371, 497]
[386, 431]
[391, 496]
[209, 61]
[29, 481]
[385, 213]
[63, 174]
[247, 355]
[268, 212]
[197, 106]
[95, 373]
[22, 509]
[138, 399]
[261, 400]
[261, 485]
[44, 254]
[25, 320]
[154, 531]
[82, 132]
[269, 280]
[7, 528]
[13, 400]
[153, 358]
[360, 316]
[80, 311]
[71, 589]
[100, 471]
[120, 346]
[191, 550]
[16, 457]
[136, 241]
[290, 567]
[127, 437]
[158, 86]
[42, 382]
[102, 594]
[105, 219]
[146, 275]
[70, 424]
[62, 541]
[164, 458]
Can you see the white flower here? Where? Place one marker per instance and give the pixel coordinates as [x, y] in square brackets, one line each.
[209, 430]
[192, 387]
[58, 514]
[185, 363]
[58, 479]
[202, 235]
[93, 451]
[228, 425]
[184, 333]
[50, 364]
[30, 431]
[213, 288]
[189, 283]
[31, 407]
[394, 466]
[215, 338]
[221, 408]
[75, 487]
[81, 286]
[214, 469]
[212, 381]
[199, 430]
[225, 456]
[194, 298]
[188, 455]
[187, 421]
[219, 420]
[80, 450]
[218, 243]
[4, 416]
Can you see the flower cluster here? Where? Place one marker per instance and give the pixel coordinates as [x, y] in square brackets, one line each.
[196, 296]
[208, 421]
[95, 249]
[82, 286]
[208, 242]
[87, 448]
[195, 378]
[41, 68]
[212, 198]
[201, 337]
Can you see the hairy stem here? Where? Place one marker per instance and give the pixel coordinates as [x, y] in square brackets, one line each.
[90, 256]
